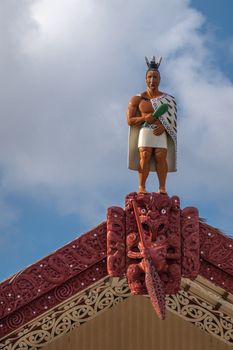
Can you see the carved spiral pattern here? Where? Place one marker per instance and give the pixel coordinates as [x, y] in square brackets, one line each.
[53, 279]
[81, 263]
[63, 292]
[82, 308]
[202, 314]
[15, 320]
[216, 248]
[216, 276]
[53, 270]
[103, 296]
[216, 252]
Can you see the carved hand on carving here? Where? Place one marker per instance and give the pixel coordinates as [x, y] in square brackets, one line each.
[145, 252]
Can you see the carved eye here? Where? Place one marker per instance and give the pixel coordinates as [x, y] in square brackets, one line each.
[143, 211]
[161, 238]
[163, 211]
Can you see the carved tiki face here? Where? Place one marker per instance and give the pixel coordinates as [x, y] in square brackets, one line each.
[171, 236]
[160, 218]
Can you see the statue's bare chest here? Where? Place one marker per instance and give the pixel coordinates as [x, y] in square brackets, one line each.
[145, 106]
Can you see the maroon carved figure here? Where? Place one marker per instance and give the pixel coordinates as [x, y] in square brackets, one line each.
[171, 238]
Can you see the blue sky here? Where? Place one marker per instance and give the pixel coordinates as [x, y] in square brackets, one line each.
[67, 74]
[219, 23]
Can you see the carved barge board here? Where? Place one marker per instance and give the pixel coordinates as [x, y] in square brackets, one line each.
[47, 284]
[196, 306]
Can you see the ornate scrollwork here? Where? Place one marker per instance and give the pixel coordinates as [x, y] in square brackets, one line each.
[202, 314]
[52, 280]
[51, 272]
[116, 249]
[60, 278]
[216, 257]
[102, 296]
[216, 248]
[190, 242]
[78, 310]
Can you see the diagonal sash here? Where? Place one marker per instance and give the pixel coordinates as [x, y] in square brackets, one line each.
[168, 119]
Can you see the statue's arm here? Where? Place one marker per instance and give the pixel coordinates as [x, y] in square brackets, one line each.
[133, 113]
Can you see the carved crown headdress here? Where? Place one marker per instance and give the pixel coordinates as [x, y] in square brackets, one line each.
[152, 64]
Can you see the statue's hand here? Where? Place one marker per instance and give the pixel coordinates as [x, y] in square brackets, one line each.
[159, 129]
[145, 253]
[149, 118]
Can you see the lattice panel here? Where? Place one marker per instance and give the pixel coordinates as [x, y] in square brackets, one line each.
[100, 298]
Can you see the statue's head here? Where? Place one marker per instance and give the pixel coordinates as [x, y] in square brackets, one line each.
[152, 73]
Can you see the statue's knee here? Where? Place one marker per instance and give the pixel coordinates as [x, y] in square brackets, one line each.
[161, 155]
[145, 155]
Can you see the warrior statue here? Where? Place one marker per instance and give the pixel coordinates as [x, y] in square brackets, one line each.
[151, 116]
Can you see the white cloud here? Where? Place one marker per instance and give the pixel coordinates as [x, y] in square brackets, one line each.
[68, 73]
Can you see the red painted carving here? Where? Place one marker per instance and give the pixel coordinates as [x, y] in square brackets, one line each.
[190, 242]
[116, 241]
[160, 218]
[216, 248]
[216, 252]
[52, 279]
[79, 264]
[52, 298]
[216, 276]
[154, 285]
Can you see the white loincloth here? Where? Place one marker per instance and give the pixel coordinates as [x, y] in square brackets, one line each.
[146, 138]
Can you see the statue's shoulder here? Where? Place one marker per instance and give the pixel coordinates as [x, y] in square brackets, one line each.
[136, 99]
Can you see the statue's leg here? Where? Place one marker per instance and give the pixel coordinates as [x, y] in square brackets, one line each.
[144, 167]
[161, 167]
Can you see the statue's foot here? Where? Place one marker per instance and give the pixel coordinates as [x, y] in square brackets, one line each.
[162, 191]
[142, 189]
